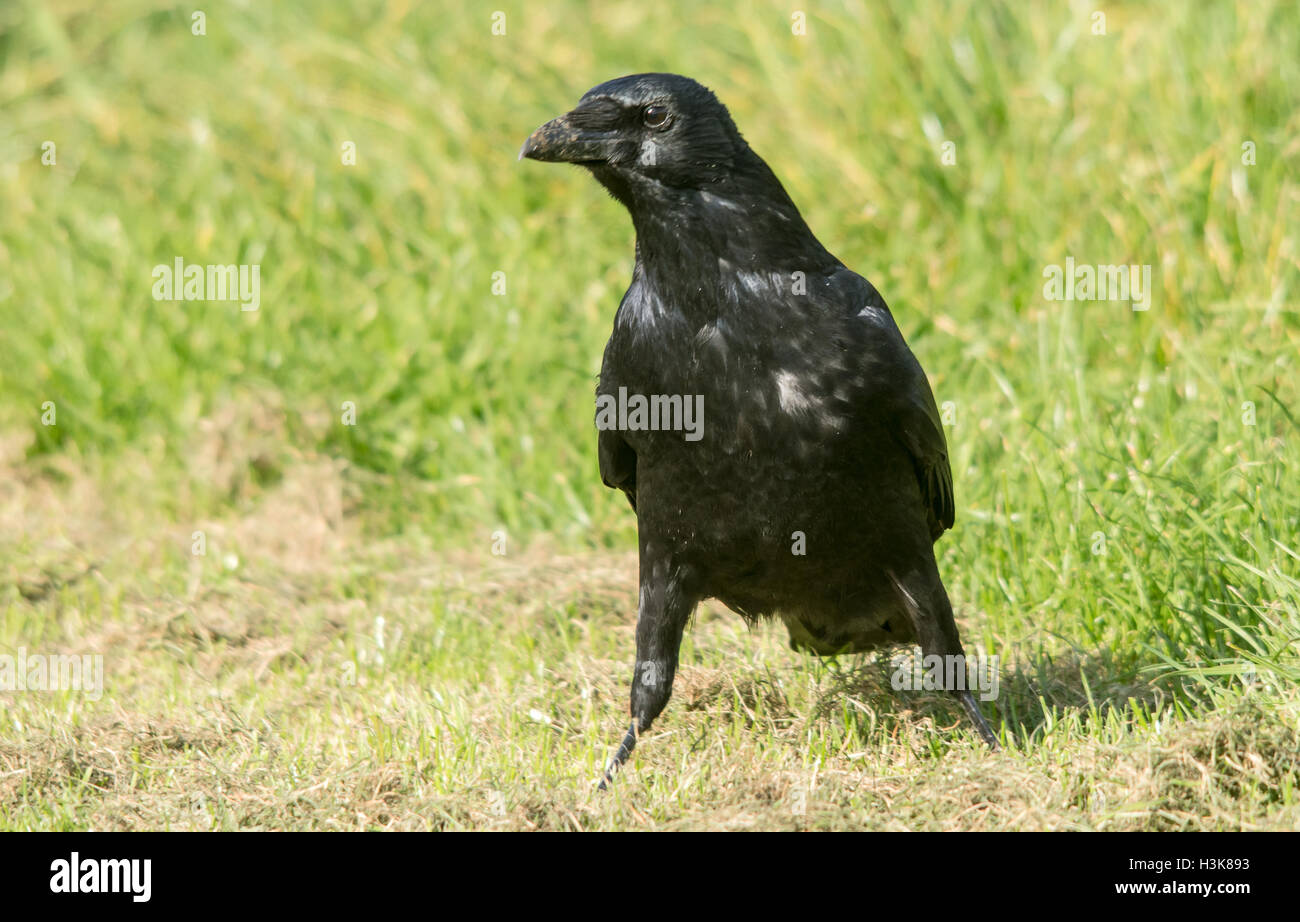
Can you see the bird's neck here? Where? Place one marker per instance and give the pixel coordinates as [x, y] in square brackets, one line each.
[744, 221]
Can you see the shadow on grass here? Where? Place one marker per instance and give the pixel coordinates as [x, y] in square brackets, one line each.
[1032, 696]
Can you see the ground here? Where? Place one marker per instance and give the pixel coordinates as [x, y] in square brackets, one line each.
[301, 676]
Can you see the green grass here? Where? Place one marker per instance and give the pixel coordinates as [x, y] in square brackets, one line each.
[1155, 685]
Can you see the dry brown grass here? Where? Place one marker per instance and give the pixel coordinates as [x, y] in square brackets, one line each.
[247, 689]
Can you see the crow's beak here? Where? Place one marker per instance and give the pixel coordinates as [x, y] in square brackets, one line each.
[558, 141]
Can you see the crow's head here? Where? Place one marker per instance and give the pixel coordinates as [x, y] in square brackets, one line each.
[658, 129]
[668, 150]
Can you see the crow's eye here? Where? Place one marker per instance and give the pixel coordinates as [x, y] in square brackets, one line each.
[655, 116]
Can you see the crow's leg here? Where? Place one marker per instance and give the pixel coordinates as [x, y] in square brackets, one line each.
[926, 603]
[665, 606]
[973, 711]
[620, 756]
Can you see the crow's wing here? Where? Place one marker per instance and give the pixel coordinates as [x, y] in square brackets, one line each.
[922, 433]
[916, 416]
[617, 463]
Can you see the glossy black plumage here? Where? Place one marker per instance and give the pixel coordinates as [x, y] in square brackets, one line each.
[820, 432]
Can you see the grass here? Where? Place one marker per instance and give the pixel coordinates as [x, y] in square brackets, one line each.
[1127, 515]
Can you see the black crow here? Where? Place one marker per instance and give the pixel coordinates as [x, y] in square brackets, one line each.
[819, 479]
